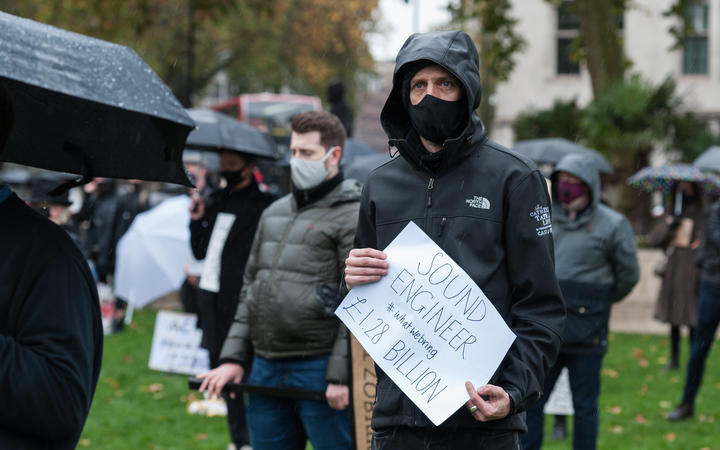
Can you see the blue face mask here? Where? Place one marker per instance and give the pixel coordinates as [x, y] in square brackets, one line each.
[438, 120]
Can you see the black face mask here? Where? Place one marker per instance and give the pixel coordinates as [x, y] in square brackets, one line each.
[438, 120]
[233, 177]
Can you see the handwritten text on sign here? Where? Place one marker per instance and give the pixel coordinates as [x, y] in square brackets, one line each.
[427, 325]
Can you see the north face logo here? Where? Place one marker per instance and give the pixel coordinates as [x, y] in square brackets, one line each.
[478, 202]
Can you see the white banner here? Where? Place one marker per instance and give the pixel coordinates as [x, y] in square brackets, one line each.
[427, 325]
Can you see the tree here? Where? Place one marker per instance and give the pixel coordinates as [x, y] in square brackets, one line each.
[296, 44]
[497, 40]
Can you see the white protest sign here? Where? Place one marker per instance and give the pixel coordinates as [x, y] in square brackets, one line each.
[560, 400]
[210, 278]
[427, 325]
[176, 344]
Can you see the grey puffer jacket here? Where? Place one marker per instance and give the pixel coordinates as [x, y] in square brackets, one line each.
[291, 282]
[595, 261]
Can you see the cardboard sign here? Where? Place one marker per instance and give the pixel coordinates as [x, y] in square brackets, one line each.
[364, 389]
[427, 325]
[176, 344]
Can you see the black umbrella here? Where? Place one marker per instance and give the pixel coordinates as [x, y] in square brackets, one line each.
[87, 106]
[354, 148]
[361, 166]
[216, 131]
[709, 159]
[552, 150]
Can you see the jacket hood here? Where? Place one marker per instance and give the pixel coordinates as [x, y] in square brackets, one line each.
[454, 51]
[582, 167]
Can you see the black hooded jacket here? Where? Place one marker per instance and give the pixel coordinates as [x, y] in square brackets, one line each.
[50, 333]
[488, 208]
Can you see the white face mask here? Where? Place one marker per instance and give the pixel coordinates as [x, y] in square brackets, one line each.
[308, 174]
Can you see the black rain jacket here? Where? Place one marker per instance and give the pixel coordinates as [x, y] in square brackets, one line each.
[488, 208]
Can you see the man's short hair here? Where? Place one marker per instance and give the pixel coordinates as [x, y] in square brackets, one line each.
[332, 131]
[7, 116]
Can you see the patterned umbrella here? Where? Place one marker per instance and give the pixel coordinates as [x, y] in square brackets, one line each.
[663, 178]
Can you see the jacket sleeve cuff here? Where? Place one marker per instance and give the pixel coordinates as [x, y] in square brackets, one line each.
[516, 403]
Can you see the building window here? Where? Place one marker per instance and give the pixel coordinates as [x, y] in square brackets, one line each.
[568, 29]
[568, 26]
[695, 51]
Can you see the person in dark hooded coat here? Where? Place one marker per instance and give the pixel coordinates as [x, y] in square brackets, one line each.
[486, 207]
[50, 329]
[596, 265]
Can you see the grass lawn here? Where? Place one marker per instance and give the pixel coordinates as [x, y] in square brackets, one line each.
[137, 408]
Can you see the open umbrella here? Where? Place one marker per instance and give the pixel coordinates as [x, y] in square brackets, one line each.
[709, 159]
[216, 131]
[87, 106]
[552, 150]
[151, 254]
[663, 178]
[360, 167]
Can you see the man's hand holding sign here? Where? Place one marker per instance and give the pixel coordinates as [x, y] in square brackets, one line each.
[428, 326]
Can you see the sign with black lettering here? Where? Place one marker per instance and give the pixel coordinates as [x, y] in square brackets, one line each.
[427, 325]
[364, 389]
[176, 344]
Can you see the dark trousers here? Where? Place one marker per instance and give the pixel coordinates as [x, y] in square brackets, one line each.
[444, 439]
[708, 318]
[584, 374]
[237, 423]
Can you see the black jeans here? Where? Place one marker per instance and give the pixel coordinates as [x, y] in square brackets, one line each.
[708, 318]
[441, 438]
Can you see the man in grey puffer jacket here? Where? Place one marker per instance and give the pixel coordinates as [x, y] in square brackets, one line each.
[289, 295]
[596, 265]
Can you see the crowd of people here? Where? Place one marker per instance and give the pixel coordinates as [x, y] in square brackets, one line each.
[553, 262]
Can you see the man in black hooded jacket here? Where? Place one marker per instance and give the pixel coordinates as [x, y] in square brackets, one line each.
[487, 208]
[50, 330]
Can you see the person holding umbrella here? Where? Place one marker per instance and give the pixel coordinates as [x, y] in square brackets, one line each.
[50, 330]
[679, 235]
[221, 232]
[239, 204]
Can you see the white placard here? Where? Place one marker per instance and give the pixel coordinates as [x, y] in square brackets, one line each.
[560, 400]
[176, 344]
[427, 325]
[210, 278]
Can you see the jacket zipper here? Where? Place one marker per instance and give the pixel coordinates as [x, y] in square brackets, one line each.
[428, 205]
[442, 226]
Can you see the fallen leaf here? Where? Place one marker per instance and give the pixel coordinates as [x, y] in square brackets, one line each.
[640, 419]
[112, 382]
[665, 404]
[128, 358]
[616, 429]
[158, 395]
[711, 419]
[612, 373]
[133, 325]
[155, 387]
[201, 436]
[84, 443]
[671, 436]
[653, 348]
[615, 410]
[643, 362]
[643, 389]
[637, 352]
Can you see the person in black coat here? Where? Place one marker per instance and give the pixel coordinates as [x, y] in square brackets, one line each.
[487, 208]
[237, 206]
[50, 329]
